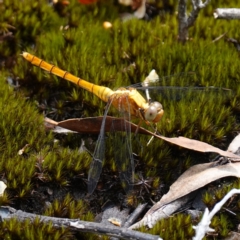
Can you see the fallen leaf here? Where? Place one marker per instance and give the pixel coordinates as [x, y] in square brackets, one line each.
[93, 125]
[191, 180]
[198, 146]
[196, 177]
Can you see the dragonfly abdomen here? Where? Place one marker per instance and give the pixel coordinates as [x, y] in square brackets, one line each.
[100, 91]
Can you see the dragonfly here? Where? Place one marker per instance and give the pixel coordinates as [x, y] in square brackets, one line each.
[127, 101]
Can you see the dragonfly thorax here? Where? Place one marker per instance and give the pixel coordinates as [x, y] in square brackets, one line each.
[130, 100]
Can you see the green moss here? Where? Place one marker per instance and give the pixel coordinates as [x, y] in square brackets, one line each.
[222, 225]
[20, 123]
[13, 229]
[21, 128]
[209, 199]
[178, 226]
[26, 20]
[61, 166]
[69, 208]
[228, 216]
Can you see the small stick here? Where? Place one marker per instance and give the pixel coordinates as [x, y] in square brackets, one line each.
[7, 213]
[140, 208]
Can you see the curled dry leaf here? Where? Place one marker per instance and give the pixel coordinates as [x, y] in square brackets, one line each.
[196, 177]
[193, 179]
[234, 145]
[93, 125]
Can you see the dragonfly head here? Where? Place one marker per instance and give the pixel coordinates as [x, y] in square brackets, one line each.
[154, 112]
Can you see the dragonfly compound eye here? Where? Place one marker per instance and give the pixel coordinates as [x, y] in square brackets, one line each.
[154, 112]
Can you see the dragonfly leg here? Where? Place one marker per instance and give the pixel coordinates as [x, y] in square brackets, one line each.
[155, 132]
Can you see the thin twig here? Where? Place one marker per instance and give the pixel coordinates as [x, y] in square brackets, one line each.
[218, 38]
[204, 225]
[135, 215]
[7, 213]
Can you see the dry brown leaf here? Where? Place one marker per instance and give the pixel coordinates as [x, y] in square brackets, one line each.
[198, 146]
[49, 123]
[196, 177]
[93, 125]
[193, 179]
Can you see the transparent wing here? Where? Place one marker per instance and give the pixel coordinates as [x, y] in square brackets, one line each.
[176, 87]
[123, 156]
[98, 156]
[175, 93]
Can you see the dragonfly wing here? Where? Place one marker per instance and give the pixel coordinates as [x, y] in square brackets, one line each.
[174, 88]
[123, 150]
[98, 156]
[96, 164]
[177, 93]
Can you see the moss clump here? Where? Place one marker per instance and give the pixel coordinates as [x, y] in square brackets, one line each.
[20, 124]
[13, 229]
[25, 20]
[228, 217]
[60, 167]
[178, 226]
[21, 128]
[222, 225]
[69, 208]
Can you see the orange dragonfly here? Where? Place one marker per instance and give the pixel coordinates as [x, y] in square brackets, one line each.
[129, 101]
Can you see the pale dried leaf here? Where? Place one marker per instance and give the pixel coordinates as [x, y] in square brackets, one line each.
[193, 179]
[199, 146]
[196, 177]
[234, 146]
[115, 221]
